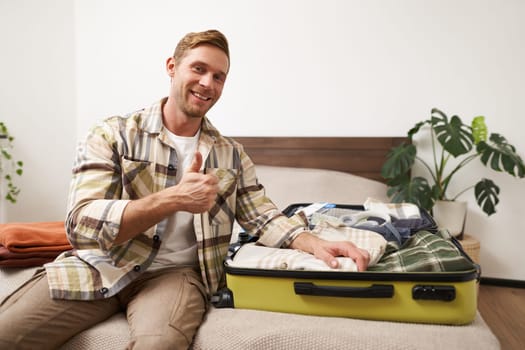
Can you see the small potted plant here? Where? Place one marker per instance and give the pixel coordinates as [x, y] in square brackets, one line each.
[8, 166]
[449, 139]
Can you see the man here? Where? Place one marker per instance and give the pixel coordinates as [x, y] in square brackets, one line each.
[152, 203]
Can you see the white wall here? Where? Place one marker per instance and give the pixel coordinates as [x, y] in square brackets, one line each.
[37, 101]
[299, 68]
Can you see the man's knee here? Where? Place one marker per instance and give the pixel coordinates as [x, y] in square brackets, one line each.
[6, 343]
[170, 339]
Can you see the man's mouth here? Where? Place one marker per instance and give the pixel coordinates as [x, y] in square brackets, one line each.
[200, 97]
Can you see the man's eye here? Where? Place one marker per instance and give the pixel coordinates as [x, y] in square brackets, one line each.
[198, 69]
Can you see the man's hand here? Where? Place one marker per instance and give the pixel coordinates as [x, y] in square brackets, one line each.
[328, 250]
[197, 192]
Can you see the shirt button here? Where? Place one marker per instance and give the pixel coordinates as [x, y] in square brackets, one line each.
[136, 268]
[156, 238]
[171, 167]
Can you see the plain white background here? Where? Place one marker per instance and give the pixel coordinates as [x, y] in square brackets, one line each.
[299, 68]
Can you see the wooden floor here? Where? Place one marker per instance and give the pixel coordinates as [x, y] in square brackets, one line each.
[503, 309]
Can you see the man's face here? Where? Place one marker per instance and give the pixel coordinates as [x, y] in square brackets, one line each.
[198, 79]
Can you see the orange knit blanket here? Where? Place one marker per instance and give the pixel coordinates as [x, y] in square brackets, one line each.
[34, 237]
[10, 259]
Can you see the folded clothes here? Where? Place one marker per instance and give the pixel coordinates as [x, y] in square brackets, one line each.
[259, 257]
[380, 223]
[396, 222]
[34, 237]
[374, 243]
[396, 210]
[10, 259]
[6, 254]
[424, 252]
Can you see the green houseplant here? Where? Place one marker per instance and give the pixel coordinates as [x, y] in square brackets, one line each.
[450, 139]
[8, 166]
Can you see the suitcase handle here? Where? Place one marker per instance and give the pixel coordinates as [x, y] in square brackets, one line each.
[374, 291]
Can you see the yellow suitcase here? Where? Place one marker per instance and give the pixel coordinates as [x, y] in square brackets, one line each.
[438, 298]
[422, 297]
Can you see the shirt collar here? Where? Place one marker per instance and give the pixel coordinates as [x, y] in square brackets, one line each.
[152, 120]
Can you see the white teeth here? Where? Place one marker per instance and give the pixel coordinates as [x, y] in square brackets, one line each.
[204, 98]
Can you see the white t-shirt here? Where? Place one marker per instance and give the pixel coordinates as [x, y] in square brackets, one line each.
[179, 245]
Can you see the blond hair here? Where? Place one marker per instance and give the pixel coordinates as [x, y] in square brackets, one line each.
[192, 40]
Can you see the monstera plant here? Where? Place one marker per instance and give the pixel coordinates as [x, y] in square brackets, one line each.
[450, 138]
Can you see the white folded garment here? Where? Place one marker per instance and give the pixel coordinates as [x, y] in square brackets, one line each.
[397, 210]
[259, 257]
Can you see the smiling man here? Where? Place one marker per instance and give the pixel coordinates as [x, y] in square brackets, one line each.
[152, 204]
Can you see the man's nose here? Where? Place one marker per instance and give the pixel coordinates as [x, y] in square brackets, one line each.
[206, 80]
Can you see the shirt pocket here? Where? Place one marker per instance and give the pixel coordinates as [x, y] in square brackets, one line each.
[137, 177]
[223, 211]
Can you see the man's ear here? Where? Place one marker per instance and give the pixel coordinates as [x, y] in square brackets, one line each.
[170, 66]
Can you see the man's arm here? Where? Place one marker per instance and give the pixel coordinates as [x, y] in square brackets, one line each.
[195, 193]
[261, 216]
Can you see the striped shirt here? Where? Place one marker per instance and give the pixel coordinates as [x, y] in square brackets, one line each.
[129, 157]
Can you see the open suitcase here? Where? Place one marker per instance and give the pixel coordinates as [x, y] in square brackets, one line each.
[447, 297]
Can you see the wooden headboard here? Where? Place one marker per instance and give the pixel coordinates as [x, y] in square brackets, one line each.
[363, 156]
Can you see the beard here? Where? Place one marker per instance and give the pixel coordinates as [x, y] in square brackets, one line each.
[192, 110]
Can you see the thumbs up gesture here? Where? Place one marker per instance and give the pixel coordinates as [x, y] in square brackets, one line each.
[196, 192]
[196, 164]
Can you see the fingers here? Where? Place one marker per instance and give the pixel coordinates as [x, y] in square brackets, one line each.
[196, 164]
[196, 192]
[348, 249]
[328, 258]
[203, 192]
[362, 259]
[327, 251]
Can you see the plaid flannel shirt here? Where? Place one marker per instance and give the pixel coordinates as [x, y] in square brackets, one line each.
[129, 157]
[424, 252]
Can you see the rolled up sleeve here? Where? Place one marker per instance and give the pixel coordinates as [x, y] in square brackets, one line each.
[95, 206]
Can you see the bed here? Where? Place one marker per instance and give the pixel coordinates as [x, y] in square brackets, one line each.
[338, 170]
[301, 169]
[361, 156]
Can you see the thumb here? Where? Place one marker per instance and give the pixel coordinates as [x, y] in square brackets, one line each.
[195, 166]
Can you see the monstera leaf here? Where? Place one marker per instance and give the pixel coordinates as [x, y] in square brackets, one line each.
[487, 193]
[501, 156]
[455, 137]
[399, 161]
[416, 190]
[479, 129]
[416, 128]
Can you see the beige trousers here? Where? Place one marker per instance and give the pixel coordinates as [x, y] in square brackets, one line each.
[164, 310]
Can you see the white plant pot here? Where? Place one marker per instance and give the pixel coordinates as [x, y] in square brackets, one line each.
[450, 215]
